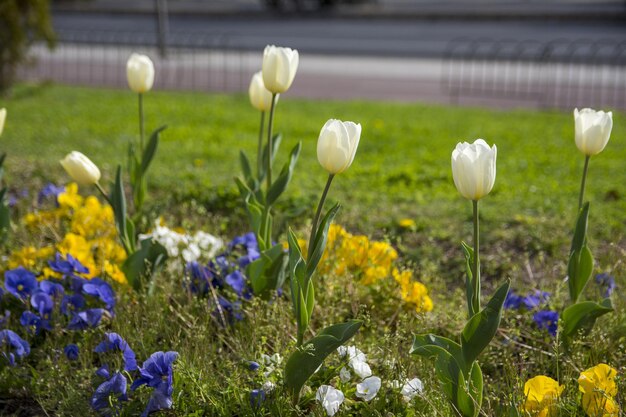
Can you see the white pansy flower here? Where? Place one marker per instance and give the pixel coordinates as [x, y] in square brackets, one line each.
[368, 389]
[411, 389]
[330, 398]
[268, 386]
[344, 375]
[362, 369]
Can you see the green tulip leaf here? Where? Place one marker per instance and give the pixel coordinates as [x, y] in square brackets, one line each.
[579, 270]
[319, 243]
[468, 251]
[144, 263]
[482, 327]
[583, 315]
[475, 389]
[247, 171]
[580, 233]
[280, 185]
[5, 217]
[276, 141]
[118, 203]
[150, 150]
[267, 273]
[429, 345]
[307, 358]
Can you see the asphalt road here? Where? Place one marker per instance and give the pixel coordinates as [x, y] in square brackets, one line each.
[327, 36]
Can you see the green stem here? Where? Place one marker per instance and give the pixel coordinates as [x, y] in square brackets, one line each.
[104, 194]
[259, 158]
[476, 272]
[269, 143]
[141, 129]
[318, 213]
[582, 184]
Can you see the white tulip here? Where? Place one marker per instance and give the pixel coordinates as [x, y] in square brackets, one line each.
[411, 389]
[330, 398]
[474, 168]
[140, 73]
[368, 389]
[3, 116]
[337, 145]
[80, 168]
[593, 130]
[279, 68]
[260, 97]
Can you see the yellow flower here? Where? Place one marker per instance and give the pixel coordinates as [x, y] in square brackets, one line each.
[374, 274]
[381, 254]
[28, 256]
[406, 223]
[598, 387]
[541, 394]
[413, 292]
[598, 378]
[70, 198]
[116, 274]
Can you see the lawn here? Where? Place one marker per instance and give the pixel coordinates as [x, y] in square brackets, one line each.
[401, 171]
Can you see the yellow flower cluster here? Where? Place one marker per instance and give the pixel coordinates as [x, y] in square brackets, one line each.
[542, 394]
[370, 261]
[83, 228]
[599, 390]
[597, 385]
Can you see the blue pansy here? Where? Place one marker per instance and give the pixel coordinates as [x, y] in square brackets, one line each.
[76, 284]
[50, 190]
[82, 320]
[53, 289]
[253, 366]
[548, 320]
[114, 341]
[257, 396]
[34, 323]
[158, 401]
[607, 282]
[103, 371]
[101, 289]
[237, 281]
[114, 387]
[230, 310]
[157, 372]
[71, 304]
[15, 344]
[20, 282]
[71, 351]
[43, 303]
[535, 299]
[512, 300]
[68, 267]
[198, 278]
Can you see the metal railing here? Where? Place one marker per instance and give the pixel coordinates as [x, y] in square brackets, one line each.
[559, 73]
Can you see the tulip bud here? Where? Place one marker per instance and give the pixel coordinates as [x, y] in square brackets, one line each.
[260, 97]
[3, 116]
[337, 145]
[279, 68]
[140, 73]
[80, 168]
[474, 168]
[593, 129]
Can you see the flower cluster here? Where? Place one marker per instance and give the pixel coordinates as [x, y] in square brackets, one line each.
[88, 234]
[156, 372]
[597, 385]
[72, 301]
[371, 262]
[178, 243]
[534, 301]
[223, 278]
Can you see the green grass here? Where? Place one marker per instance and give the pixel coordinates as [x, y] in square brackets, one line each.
[402, 170]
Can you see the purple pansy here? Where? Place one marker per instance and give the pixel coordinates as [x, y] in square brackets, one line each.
[68, 266]
[71, 352]
[548, 320]
[86, 319]
[114, 387]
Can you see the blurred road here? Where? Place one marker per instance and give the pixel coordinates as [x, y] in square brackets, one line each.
[317, 35]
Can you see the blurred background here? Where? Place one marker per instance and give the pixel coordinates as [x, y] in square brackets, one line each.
[496, 53]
